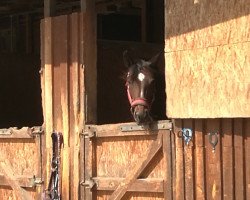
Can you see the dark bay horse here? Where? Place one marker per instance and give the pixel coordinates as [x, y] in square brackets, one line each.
[142, 79]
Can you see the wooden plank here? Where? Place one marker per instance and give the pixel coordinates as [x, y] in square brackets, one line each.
[247, 156]
[48, 93]
[167, 156]
[139, 185]
[88, 174]
[137, 170]
[188, 160]
[200, 190]
[115, 130]
[227, 155]
[9, 174]
[23, 181]
[173, 155]
[63, 90]
[14, 133]
[74, 104]
[239, 189]
[213, 162]
[180, 177]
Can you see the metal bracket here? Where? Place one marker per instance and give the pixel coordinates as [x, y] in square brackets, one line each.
[187, 135]
[89, 183]
[37, 181]
[160, 125]
[89, 132]
[37, 130]
[213, 139]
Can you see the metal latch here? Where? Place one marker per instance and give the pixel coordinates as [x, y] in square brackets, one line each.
[89, 183]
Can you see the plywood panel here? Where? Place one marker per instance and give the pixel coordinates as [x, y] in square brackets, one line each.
[200, 24]
[24, 159]
[207, 45]
[209, 82]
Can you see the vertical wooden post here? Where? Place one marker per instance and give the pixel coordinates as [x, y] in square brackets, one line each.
[49, 8]
[89, 60]
[167, 156]
[90, 63]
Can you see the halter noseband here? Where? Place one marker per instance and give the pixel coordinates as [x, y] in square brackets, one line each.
[137, 101]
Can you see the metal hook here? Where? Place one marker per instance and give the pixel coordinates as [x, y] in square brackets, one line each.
[187, 135]
[213, 139]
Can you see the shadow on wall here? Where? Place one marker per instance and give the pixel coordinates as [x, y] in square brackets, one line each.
[187, 16]
[20, 90]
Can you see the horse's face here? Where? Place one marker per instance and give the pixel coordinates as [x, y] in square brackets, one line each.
[140, 82]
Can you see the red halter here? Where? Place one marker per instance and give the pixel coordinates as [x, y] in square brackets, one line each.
[137, 101]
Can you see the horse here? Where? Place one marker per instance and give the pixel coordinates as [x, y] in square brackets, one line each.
[141, 85]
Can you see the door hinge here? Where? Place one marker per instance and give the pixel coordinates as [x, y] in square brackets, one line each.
[37, 181]
[37, 130]
[89, 132]
[89, 183]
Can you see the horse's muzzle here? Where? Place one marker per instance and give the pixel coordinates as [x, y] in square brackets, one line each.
[141, 114]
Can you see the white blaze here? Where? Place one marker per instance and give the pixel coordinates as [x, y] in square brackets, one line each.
[141, 76]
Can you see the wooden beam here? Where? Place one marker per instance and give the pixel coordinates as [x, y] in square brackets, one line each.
[14, 133]
[49, 8]
[140, 185]
[118, 130]
[23, 181]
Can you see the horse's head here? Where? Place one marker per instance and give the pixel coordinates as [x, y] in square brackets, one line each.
[140, 83]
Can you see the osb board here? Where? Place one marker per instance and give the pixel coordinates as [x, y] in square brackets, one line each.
[24, 158]
[207, 58]
[210, 82]
[200, 24]
[115, 157]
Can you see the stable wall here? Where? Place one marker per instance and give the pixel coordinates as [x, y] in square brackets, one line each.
[207, 58]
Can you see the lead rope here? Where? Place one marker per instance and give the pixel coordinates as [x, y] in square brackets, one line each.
[54, 188]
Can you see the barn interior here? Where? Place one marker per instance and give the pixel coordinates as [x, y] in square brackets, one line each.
[134, 25]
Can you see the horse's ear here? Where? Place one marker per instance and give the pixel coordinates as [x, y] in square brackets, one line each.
[154, 59]
[127, 59]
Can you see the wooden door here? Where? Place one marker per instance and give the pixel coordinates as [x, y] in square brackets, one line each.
[126, 160]
[21, 163]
